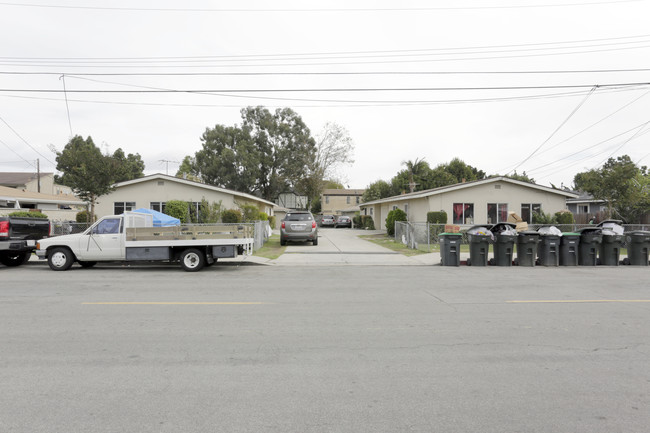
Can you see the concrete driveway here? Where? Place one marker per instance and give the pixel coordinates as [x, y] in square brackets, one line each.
[342, 247]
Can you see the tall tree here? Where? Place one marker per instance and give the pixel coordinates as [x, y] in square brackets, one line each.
[463, 172]
[414, 168]
[127, 167]
[376, 191]
[268, 153]
[334, 147]
[620, 183]
[86, 170]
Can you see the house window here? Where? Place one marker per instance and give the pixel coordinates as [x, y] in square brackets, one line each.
[347, 199]
[358, 199]
[528, 209]
[395, 207]
[406, 209]
[158, 206]
[119, 207]
[583, 208]
[463, 213]
[327, 199]
[371, 209]
[497, 213]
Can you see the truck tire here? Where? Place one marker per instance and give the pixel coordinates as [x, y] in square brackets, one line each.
[60, 259]
[192, 260]
[87, 264]
[15, 259]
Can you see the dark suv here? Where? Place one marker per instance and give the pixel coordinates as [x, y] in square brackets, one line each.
[299, 226]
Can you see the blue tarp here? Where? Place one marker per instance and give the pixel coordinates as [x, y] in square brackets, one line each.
[159, 218]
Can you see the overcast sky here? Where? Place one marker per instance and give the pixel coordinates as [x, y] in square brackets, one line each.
[501, 84]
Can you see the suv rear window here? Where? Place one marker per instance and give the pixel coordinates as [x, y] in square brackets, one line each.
[298, 217]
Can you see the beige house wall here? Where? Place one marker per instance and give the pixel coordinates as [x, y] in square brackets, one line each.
[163, 190]
[479, 195]
[334, 201]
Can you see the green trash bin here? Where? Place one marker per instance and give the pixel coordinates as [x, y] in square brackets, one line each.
[527, 248]
[548, 250]
[450, 248]
[638, 245]
[610, 248]
[479, 245]
[590, 240]
[569, 245]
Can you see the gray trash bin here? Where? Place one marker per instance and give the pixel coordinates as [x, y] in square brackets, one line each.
[504, 244]
[479, 247]
[548, 250]
[638, 245]
[450, 248]
[527, 248]
[590, 240]
[569, 245]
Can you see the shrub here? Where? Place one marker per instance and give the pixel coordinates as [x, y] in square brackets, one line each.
[437, 217]
[367, 222]
[209, 212]
[393, 216]
[564, 217]
[25, 214]
[272, 221]
[85, 217]
[178, 209]
[357, 221]
[231, 216]
[543, 218]
[249, 213]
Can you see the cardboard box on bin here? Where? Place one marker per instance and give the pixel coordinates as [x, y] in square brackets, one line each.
[520, 224]
[450, 228]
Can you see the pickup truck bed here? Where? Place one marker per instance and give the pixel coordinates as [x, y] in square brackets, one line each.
[18, 236]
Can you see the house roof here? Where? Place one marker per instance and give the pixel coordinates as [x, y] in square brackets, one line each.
[14, 179]
[13, 194]
[344, 192]
[192, 184]
[584, 197]
[471, 184]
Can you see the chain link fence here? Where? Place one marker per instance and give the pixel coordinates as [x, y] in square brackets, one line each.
[262, 229]
[424, 236]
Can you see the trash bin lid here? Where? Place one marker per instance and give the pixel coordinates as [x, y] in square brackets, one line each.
[570, 234]
[638, 233]
[450, 234]
[600, 224]
[529, 233]
[590, 230]
[499, 227]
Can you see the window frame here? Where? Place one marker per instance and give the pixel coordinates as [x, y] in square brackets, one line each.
[466, 208]
[124, 205]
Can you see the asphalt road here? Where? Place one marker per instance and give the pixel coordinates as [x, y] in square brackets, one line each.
[325, 349]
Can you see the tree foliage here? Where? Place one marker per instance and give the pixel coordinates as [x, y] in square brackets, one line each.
[267, 154]
[392, 217]
[91, 174]
[621, 184]
[376, 191]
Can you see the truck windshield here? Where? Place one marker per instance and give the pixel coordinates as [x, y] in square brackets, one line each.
[107, 226]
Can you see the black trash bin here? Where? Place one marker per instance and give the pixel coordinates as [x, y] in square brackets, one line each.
[548, 250]
[527, 248]
[450, 248]
[590, 240]
[504, 244]
[610, 249]
[638, 246]
[569, 245]
[479, 246]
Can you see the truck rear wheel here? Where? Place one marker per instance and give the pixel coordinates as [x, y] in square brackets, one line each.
[60, 259]
[192, 260]
[15, 259]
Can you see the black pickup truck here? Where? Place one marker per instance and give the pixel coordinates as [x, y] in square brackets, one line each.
[18, 236]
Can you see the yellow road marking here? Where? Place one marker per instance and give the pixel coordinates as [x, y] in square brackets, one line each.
[173, 303]
[576, 301]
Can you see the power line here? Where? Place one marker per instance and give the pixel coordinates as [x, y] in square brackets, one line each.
[17, 154]
[25, 141]
[319, 10]
[557, 129]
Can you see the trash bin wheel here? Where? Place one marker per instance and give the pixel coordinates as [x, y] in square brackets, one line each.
[469, 263]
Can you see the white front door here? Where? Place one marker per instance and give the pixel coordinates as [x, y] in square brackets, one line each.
[105, 241]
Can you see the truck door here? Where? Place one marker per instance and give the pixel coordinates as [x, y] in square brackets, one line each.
[105, 241]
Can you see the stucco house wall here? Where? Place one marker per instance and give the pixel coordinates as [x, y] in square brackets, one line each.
[335, 201]
[161, 188]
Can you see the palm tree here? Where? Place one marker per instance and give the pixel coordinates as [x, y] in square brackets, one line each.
[414, 167]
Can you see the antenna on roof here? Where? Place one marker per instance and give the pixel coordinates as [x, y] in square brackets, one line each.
[166, 162]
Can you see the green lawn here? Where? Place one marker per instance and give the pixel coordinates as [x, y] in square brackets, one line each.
[388, 242]
[271, 249]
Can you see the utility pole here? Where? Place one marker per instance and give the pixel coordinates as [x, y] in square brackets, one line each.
[38, 174]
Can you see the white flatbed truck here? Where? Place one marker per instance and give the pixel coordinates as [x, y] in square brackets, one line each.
[131, 237]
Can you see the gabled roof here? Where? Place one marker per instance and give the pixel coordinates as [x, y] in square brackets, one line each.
[159, 176]
[464, 185]
[13, 194]
[344, 192]
[14, 179]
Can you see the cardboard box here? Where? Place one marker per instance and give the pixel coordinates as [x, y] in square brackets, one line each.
[449, 228]
[514, 218]
[521, 226]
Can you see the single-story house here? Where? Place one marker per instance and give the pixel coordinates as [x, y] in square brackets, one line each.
[585, 206]
[154, 191]
[335, 201]
[60, 207]
[33, 182]
[486, 201]
[291, 200]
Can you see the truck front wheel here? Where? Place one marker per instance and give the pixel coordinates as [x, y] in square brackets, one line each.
[192, 260]
[60, 259]
[15, 259]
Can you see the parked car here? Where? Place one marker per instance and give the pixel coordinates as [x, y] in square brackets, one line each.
[18, 236]
[299, 226]
[343, 221]
[328, 221]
